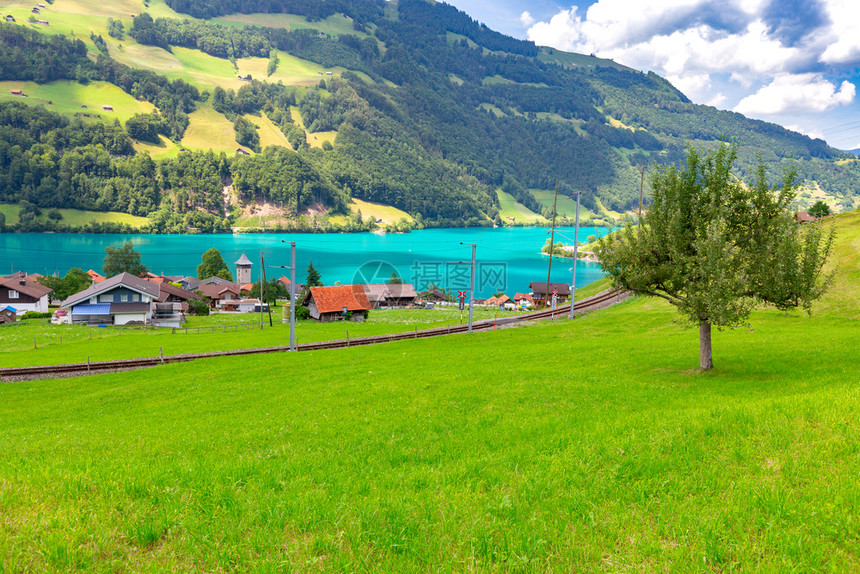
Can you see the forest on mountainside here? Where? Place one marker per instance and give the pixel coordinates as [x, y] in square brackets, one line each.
[434, 113]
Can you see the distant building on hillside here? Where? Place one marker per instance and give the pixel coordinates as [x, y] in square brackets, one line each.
[15, 92]
[240, 151]
[107, 108]
[10, 18]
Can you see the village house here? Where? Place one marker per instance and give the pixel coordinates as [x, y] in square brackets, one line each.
[107, 108]
[95, 276]
[283, 280]
[433, 296]
[15, 92]
[240, 151]
[502, 302]
[390, 294]
[43, 22]
[24, 292]
[171, 305]
[222, 297]
[8, 314]
[539, 292]
[523, 300]
[119, 300]
[335, 302]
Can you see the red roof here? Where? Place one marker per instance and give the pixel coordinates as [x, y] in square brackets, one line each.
[521, 296]
[95, 276]
[333, 299]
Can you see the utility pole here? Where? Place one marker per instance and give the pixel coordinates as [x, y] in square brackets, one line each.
[292, 294]
[551, 245]
[261, 289]
[575, 255]
[471, 284]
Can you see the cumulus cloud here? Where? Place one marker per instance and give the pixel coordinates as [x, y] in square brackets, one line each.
[797, 93]
[527, 19]
[843, 42]
[777, 46]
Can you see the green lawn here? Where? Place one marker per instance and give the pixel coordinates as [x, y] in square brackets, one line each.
[601, 449]
[566, 206]
[77, 217]
[510, 207]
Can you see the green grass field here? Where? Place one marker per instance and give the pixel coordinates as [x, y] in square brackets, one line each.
[69, 97]
[76, 217]
[586, 446]
[511, 208]
[387, 213]
[209, 129]
[333, 25]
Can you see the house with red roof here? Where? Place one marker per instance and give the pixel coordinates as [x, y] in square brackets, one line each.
[337, 302]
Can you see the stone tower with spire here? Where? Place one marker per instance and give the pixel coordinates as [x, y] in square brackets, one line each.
[243, 270]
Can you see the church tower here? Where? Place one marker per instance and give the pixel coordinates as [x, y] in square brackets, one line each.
[243, 270]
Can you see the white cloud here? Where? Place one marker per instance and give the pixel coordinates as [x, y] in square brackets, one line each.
[843, 43]
[717, 100]
[696, 86]
[527, 19]
[797, 93]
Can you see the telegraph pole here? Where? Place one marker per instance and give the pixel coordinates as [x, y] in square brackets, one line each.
[471, 284]
[575, 254]
[551, 245]
[292, 293]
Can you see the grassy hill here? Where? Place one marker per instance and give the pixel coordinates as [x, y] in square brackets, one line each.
[604, 450]
[77, 217]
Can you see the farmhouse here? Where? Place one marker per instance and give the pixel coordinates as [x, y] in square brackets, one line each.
[43, 22]
[539, 292]
[107, 108]
[34, 11]
[333, 303]
[10, 18]
[245, 78]
[8, 314]
[502, 301]
[15, 92]
[523, 299]
[222, 297]
[119, 300]
[390, 295]
[240, 151]
[24, 292]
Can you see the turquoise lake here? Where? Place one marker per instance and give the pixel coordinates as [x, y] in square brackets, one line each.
[508, 258]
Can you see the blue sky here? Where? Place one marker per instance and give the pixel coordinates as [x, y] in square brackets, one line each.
[792, 62]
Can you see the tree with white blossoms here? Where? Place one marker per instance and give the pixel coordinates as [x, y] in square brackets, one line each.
[716, 248]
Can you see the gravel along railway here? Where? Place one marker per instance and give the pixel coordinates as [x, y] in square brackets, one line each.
[593, 303]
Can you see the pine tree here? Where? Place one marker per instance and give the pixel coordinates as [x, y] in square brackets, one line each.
[313, 278]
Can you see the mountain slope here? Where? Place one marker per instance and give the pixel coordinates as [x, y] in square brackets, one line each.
[417, 106]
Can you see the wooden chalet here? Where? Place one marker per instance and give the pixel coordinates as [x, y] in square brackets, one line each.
[241, 151]
[539, 292]
[222, 297]
[107, 108]
[390, 294]
[119, 300]
[333, 303]
[24, 292]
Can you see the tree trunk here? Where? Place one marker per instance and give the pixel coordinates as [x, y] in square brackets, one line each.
[706, 360]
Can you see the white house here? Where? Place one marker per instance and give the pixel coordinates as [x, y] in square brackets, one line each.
[119, 300]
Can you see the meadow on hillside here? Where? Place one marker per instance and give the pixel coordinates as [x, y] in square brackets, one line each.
[587, 445]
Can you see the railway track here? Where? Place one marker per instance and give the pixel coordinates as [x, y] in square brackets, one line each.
[592, 303]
